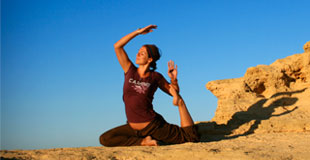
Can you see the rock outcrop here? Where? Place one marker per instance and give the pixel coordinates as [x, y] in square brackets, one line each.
[269, 98]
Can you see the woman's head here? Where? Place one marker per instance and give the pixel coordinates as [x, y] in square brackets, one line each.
[148, 53]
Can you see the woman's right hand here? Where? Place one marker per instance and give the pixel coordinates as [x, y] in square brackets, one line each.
[146, 29]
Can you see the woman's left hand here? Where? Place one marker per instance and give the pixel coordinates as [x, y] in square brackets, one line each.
[146, 29]
[172, 70]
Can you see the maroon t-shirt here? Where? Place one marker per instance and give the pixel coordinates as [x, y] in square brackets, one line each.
[138, 95]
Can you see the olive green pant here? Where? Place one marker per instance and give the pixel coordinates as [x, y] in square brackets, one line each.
[158, 129]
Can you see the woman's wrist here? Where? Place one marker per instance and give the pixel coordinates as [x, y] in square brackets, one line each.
[138, 31]
[174, 81]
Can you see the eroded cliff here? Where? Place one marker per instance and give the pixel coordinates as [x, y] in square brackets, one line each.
[269, 98]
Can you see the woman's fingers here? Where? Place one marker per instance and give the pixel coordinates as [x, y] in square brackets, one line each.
[148, 29]
[171, 64]
[151, 26]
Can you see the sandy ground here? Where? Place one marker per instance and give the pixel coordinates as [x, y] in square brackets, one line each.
[282, 146]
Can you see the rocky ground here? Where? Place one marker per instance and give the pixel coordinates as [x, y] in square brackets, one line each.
[278, 146]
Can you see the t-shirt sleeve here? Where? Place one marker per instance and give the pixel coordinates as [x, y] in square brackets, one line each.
[131, 69]
[159, 77]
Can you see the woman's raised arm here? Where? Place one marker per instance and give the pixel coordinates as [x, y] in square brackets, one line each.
[119, 46]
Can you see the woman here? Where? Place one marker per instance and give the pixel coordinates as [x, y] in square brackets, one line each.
[144, 126]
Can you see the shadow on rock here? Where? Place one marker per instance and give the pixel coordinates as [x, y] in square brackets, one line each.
[256, 113]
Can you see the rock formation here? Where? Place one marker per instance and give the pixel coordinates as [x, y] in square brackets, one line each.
[269, 98]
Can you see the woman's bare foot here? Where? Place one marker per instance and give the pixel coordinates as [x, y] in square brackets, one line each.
[148, 141]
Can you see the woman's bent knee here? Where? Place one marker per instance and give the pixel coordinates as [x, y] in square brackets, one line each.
[104, 140]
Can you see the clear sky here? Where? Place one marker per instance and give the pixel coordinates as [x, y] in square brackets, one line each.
[61, 84]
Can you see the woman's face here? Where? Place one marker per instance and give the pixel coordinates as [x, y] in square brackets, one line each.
[142, 57]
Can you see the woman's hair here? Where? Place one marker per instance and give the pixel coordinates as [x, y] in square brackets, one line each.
[153, 52]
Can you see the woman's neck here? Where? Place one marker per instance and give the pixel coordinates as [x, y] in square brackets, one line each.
[144, 71]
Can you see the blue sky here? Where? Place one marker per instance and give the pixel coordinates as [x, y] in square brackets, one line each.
[61, 84]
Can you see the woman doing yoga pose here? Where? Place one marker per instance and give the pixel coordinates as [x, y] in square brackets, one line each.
[144, 126]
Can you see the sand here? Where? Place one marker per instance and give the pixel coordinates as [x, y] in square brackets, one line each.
[282, 146]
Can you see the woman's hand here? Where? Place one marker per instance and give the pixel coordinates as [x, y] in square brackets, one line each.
[146, 29]
[172, 70]
[172, 73]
